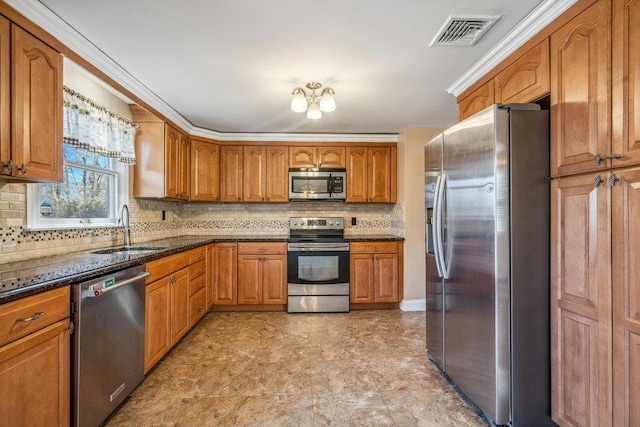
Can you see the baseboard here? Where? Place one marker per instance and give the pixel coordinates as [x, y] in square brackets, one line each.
[413, 305]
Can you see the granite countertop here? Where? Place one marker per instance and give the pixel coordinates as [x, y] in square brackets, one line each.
[23, 278]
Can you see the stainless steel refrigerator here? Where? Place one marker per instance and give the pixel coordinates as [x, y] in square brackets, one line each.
[487, 261]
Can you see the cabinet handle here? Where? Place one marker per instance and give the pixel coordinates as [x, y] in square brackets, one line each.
[22, 169]
[597, 181]
[201, 285]
[613, 156]
[612, 180]
[598, 159]
[200, 306]
[200, 271]
[8, 165]
[36, 315]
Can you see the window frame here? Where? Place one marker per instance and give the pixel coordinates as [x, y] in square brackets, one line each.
[118, 195]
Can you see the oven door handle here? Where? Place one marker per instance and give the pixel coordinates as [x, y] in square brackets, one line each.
[322, 249]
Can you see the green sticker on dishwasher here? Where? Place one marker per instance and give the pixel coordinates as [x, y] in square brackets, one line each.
[108, 282]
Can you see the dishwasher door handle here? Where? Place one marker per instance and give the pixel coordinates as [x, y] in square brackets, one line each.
[97, 292]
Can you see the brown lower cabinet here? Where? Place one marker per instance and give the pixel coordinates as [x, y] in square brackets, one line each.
[262, 273]
[35, 360]
[175, 299]
[375, 275]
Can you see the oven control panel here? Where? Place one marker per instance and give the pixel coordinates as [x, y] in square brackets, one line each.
[327, 223]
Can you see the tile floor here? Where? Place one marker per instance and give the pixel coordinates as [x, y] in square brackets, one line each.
[364, 368]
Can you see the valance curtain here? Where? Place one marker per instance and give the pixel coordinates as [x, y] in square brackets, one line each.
[92, 127]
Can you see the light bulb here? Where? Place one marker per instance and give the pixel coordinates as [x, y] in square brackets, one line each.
[299, 101]
[313, 112]
[327, 103]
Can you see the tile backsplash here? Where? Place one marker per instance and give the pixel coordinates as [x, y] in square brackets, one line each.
[147, 223]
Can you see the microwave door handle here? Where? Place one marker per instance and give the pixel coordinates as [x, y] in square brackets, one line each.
[330, 185]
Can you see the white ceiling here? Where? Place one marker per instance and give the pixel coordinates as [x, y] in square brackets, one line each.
[230, 66]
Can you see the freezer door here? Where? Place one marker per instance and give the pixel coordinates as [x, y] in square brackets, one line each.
[434, 281]
[475, 163]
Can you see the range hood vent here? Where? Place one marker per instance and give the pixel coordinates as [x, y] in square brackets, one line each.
[463, 30]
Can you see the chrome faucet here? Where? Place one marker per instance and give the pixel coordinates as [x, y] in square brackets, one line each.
[125, 224]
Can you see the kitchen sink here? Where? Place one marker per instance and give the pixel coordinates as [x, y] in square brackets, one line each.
[128, 249]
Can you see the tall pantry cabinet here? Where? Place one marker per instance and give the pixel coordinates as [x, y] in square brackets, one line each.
[595, 286]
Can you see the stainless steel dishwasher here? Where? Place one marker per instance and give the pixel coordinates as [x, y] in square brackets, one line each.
[108, 344]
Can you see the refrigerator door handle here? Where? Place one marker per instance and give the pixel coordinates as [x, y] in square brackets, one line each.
[443, 271]
[435, 224]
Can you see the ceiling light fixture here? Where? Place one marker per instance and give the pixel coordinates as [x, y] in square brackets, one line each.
[313, 104]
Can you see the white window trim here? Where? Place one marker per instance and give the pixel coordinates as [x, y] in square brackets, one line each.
[35, 222]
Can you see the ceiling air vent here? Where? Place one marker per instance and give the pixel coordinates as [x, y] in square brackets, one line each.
[463, 30]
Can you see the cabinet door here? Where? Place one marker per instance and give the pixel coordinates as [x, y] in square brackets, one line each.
[35, 378]
[331, 157]
[357, 175]
[581, 301]
[527, 79]
[361, 278]
[379, 180]
[302, 157]
[205, 171]
[385, 276]
[184, 172]
[157, 335]
[250, 279]
[226, 263]
[37, 108]
[211, 273]
[179, 288]
[171, 162]
[277, 174]
[5, 95]
[478, 100]
[274, 279]
[231, 173]
[255, 165]
[625, 244]
[580, 92]
[626, 82]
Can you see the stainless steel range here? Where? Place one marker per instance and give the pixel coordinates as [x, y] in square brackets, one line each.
[318, 266]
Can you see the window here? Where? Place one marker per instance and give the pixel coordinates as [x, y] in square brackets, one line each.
[97, 151]
[93, 188]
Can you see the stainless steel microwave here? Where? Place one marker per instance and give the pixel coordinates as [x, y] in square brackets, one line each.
[321, 184]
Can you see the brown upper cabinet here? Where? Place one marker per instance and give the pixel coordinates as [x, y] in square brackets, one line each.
[371, 174]
[277, 185]
[30, 107]
[317, 157]
[162, 165]
[626, 83]
[478, 100]
[526, 79]
[231, 173]
[581, 93]
[205, 171]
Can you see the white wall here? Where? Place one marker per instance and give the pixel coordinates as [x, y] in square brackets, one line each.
[411, 143]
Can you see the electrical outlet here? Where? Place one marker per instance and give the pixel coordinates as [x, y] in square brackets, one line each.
[354, 221]
[164, 215]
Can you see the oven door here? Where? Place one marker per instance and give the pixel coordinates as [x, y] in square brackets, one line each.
[318, 268]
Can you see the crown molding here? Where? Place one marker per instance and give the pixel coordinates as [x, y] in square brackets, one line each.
[531, 25]
[294, 137]
[42, 16]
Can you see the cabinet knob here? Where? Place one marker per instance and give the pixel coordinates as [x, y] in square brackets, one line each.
[597, 181]
[612, 180]
[597, 159]
[22, 169]
[8, 165]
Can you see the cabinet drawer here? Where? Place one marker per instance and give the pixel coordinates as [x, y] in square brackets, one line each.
[54, 305]
[198, 254]
[197, 269]
[197, 284]
[260, 248]
[197, 306]
[374, 247]
[167, 265]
